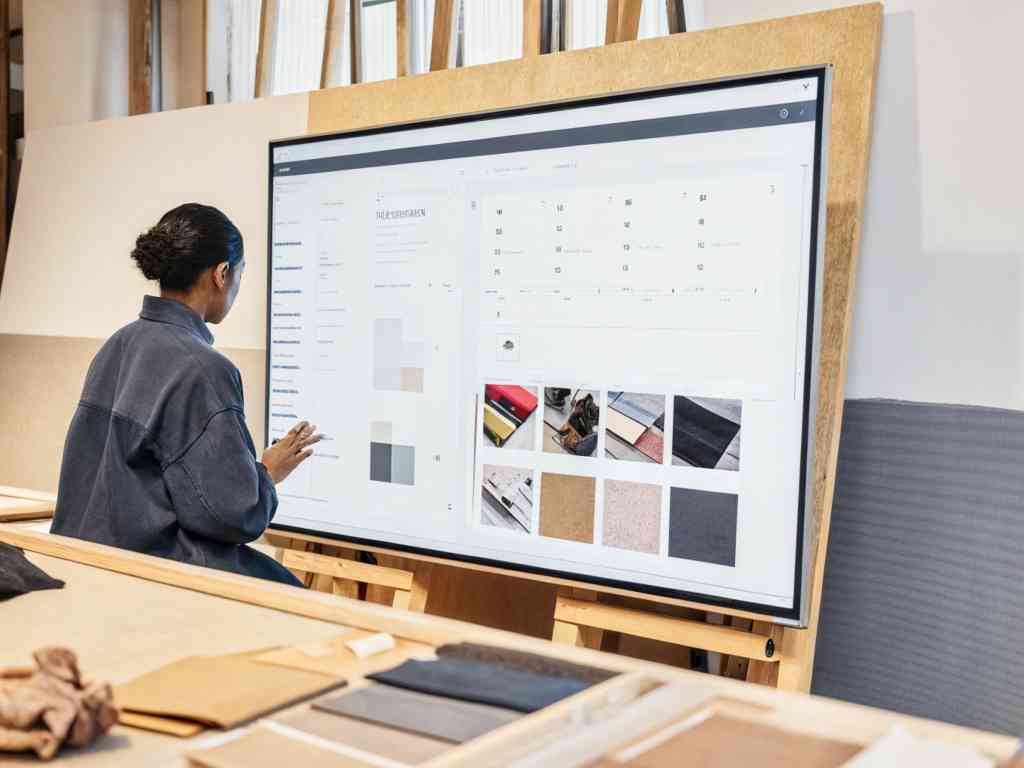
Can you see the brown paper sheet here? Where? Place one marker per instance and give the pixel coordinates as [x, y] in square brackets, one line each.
[221, 691]
[726, 742]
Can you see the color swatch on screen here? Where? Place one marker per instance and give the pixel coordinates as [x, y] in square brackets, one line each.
[705, 432]
[389, 462]
[397, 360]
[702, 526]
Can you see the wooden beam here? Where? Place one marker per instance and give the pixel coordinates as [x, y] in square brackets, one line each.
[611, 23]
[676, 16]
[669, 629]
[444, 28]
[192, 85]
[629, 20]
[140, 64]
[402, 40]
[265, 50]
[334, 32]
[531, 27]
[347, 569]
[355, 28]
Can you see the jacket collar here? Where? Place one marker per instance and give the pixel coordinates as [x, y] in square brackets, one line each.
[175, 313]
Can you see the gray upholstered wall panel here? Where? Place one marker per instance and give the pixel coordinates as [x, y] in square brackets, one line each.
[923, 604]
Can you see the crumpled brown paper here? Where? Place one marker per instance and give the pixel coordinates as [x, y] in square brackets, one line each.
[41, 709]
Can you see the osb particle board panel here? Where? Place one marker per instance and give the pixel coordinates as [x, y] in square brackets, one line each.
[847, 38]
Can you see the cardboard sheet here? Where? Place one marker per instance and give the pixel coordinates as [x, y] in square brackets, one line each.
[262, 747]
[725, 742]
[221, 691]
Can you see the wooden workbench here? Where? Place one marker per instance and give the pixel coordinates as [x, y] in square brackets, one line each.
[125, 614]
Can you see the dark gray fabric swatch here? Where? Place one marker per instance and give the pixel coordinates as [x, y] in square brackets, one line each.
[380, 462]
[18, 576]
[491, 684]
[923, 603]
[702, 526]
[443, 718]
[526, 662]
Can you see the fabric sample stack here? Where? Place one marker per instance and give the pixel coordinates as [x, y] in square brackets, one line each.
[635, 427]
[506, 408]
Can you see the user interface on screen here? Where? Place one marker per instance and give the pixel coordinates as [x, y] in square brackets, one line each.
[573, 340]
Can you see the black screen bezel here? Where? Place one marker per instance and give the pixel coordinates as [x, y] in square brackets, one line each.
[790, 614]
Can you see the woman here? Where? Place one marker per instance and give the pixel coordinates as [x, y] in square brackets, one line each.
[158, 457]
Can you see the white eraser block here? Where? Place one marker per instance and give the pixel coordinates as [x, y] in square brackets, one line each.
[371, 644]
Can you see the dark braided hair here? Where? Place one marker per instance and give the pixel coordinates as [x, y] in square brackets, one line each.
[187, 240]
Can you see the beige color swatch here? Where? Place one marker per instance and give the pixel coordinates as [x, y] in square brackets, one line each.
[632, 516]
[567, 507]
[623, 426]
[262, 747]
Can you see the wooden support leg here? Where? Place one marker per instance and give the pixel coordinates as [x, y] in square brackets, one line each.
[415, 598]
[762, 672]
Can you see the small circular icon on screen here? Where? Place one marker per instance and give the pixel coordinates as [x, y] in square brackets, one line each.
[783, 113]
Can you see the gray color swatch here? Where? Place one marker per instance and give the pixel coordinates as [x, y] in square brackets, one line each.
[449, 719]
[403, 464]
[923, 603]
[702, 526]
[380, 462]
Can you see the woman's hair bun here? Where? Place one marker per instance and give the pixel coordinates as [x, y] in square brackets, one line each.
[187, 240]
[154, 253]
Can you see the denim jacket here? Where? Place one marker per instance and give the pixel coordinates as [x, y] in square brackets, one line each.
[158, 458]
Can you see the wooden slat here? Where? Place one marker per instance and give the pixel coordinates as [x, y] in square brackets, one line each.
[330, 36]
[441, 43]
[26, 493]
[611, 23]
[669, 629]
[347, 569]
[402, 32]
[531, 27]
[676, 16]
[140, 65]
[355, 30]
[265, 50]
[629, 20]
[192, 53]
[759, 672]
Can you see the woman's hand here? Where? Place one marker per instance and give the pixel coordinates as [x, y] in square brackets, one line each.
[290, 451]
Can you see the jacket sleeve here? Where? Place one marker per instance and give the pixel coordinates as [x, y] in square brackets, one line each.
[218, 489]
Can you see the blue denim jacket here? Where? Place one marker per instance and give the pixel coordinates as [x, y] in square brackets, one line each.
[158, 457]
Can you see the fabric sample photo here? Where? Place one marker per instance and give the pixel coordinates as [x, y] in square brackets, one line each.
[509, 416]
[506, 498]
[702, 526]
[571, 417]
[634, 427]
[632, 516]
[706, 432]
[567, 507]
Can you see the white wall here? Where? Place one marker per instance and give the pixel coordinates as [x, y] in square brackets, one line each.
[76, 61]
[938, 313]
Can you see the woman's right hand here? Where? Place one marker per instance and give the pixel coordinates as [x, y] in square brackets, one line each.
[290, 451]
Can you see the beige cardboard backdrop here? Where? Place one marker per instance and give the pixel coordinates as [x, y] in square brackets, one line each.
[86, 192]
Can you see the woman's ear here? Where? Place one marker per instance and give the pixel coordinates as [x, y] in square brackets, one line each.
[220, 275]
